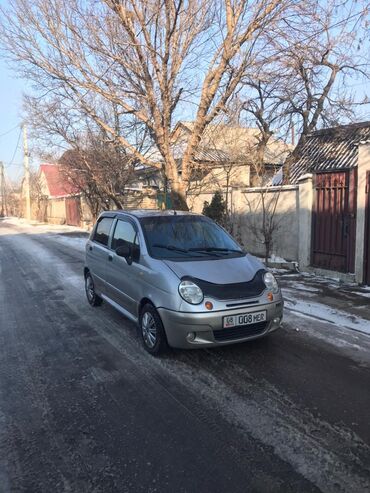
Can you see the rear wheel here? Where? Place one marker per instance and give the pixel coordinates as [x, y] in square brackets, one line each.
[91, 295]
[152, 331]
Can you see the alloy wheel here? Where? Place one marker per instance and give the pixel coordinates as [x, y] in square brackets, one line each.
[90, 291]
[149, 329]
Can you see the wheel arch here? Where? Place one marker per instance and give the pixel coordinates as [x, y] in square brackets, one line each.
[144, 301]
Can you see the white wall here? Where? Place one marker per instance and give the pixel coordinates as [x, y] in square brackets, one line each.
[363, 167]
[248, 218]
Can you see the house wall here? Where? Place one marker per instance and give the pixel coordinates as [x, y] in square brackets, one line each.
[140, 199]
[87, 221]
[56, 211]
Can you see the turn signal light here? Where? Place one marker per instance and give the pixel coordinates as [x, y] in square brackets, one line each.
[208, 305]
[270, 296]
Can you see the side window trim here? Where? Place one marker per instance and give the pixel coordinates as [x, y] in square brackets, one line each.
[110, 232]
[113, 229]
[114, 226]
[134, 227]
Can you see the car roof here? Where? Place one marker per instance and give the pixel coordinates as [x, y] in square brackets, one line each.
[148, 213]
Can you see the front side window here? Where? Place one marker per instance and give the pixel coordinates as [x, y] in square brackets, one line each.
[187, 237]
[126, 234]
[102, 231]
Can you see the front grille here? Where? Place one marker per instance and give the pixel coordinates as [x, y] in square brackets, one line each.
[239, 332]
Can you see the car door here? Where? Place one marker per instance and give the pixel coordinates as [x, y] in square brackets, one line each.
[124, 276]
[97, 252]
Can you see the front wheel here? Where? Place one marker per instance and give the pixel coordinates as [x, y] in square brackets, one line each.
[91, 295]
[152, 331]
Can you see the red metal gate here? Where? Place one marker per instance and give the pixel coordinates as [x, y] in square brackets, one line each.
[73, 216]
[334, 221]
[367, 232]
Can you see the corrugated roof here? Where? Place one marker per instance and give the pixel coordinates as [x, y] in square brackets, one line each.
[57, 183]
[331, 149]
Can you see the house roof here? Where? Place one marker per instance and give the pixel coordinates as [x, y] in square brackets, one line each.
[329, 149]
[56, 181]
[222, 143]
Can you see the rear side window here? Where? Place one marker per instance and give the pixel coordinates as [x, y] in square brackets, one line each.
[102, 230]
[124, 233]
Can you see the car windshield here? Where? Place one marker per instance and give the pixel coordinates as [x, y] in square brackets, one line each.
[187, 237]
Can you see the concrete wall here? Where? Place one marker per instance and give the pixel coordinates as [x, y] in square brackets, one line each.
[247, 212]
[363, 167]
[305, 198]
[245, 205]
[196, 201]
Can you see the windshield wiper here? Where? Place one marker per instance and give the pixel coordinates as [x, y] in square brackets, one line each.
[173, 248]
[170, 247]
[214, 249]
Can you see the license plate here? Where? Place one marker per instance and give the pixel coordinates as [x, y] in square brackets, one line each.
[244, 319]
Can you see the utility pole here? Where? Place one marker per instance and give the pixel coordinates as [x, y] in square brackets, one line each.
[26, 173]
[2, 190]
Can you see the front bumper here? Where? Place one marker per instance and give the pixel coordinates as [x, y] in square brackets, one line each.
[178, 325]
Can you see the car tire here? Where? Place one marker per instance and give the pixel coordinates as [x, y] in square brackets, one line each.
[152, 331]
[92, 297]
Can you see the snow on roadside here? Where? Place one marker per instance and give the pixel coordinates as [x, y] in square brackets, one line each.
[276, 259]
[360, 293]
[34, 226]
[72, 236]
[304, 287]
[79, 243]
[319, 311]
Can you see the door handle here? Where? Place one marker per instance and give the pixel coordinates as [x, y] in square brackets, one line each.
[90, 248]
[110, 258]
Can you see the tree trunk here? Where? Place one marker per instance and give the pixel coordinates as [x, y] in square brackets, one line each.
[178, 196]
[267, 252]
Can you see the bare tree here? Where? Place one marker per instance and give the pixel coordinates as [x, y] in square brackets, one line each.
[99, 167]
[301, 78]
[99, 173]
[150, 59]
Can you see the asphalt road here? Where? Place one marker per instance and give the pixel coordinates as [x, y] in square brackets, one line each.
[83, 408]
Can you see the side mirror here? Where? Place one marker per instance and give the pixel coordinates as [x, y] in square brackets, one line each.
[125, 252]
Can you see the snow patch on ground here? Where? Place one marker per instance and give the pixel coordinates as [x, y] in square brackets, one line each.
[275, 259]
[75, 242]
[325, 313]
[304, 287]
[360, 293]
[36, 227]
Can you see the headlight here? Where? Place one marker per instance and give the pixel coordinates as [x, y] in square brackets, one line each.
[190, 292]
[270, 282]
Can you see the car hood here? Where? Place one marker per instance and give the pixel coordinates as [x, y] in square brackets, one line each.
[220, 271]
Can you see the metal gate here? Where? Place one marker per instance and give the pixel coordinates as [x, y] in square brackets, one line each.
[367, 231]
[73, 216]
[334, 221]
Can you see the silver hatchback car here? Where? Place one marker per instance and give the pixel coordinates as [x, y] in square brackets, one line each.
[182, 278]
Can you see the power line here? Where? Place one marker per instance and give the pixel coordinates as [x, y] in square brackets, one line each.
[8, 132]
[8, 164]
[16, 148]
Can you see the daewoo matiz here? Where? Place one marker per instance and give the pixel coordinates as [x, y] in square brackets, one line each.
[182, 278]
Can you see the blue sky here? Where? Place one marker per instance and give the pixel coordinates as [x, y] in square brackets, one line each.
[11, 90]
